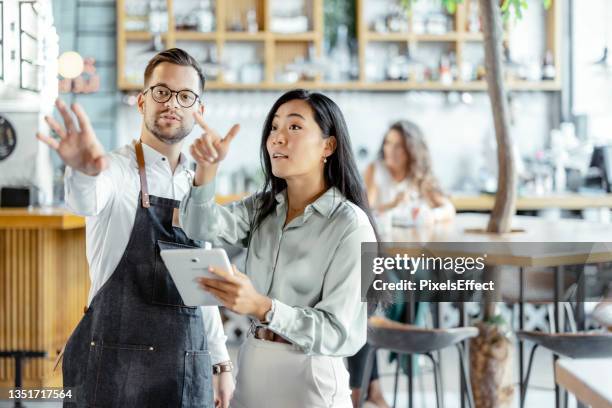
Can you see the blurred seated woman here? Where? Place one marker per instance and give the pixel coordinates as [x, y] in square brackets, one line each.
[401, 180]
[400, 184]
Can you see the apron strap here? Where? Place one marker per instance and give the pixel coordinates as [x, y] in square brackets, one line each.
[144, 189]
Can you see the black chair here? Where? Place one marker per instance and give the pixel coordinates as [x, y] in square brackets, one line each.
[20, 356]
[408, 339]
[572, 345]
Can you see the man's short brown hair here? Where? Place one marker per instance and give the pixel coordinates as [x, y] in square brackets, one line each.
[174, 56]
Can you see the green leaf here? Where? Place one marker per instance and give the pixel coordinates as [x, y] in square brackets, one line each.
[406, 4]
[518, 6]
[497, 320]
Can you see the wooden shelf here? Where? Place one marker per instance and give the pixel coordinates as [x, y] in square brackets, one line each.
[394, 37]
[475, 86]
[194, 36]
[138, 36]
[244, 36]
[280, 49]
[456, 41]
[277, 49]
[308, 36]
[382, 86]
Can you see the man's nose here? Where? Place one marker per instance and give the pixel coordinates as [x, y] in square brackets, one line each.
[172, 102]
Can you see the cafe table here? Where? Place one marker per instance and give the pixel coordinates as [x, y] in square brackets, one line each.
[470, 228]
[590, 380]
[563, 200]
[562, 234]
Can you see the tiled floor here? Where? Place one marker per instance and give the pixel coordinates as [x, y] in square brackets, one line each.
[540, 395]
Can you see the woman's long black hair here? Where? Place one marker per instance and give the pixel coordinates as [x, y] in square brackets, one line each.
[340, 170]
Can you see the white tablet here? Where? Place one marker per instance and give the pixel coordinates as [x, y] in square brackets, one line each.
[186, 265]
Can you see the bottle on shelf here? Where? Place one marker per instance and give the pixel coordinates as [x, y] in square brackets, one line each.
[251, 21]
[158, 17]
[474, 25]
[205, 17]
[549, 71]
[340, 57]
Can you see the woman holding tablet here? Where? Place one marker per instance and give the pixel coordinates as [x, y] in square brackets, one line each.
[303, 232]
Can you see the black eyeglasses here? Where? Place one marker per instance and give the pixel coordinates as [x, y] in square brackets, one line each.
[162, 94]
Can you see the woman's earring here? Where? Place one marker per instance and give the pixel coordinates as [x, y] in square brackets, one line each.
[325, 160]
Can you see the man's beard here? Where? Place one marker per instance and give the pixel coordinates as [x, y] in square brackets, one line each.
[174, 138]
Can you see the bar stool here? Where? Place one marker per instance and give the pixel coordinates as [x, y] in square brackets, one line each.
[408, 339]
[20, 356]
[572, 345]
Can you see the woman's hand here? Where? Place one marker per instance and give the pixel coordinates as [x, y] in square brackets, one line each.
[209, 150]
[400, 198]
[423, 215]
[237, 293]
[223, 386]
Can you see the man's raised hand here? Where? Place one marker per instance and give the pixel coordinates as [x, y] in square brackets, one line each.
[78, 147]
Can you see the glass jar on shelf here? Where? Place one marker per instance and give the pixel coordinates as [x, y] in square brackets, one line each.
[205, 17]
[136, 16]
[158, 16]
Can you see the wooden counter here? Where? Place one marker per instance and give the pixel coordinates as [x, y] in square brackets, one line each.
[484, 202]
[564, 201]
[44, 283]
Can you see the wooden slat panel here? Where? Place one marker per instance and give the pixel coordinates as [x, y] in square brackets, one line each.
[43, 287]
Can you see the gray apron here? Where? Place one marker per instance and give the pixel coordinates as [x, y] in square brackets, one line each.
[138, 345]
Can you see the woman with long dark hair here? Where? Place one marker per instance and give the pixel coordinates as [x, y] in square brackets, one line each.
[303, 232]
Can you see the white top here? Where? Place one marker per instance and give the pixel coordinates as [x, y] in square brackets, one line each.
[388, 187]
[587, 379]
[110, 200]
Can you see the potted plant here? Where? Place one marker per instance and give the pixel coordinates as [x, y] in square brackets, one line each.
[490, 352]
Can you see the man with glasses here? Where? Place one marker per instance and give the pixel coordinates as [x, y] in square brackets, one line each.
[138, 345]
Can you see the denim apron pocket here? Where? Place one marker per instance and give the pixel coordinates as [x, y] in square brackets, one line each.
[119, 367]
[197, 389]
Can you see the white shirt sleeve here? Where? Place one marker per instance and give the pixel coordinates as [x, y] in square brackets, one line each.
[88, 195]
[214, 333]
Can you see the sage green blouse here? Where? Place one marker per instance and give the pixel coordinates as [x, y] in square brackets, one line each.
[311, 268]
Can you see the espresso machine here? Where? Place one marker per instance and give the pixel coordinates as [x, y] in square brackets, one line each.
[28, 87]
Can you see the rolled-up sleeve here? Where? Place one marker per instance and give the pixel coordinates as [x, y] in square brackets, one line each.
[203, 219]
[336, 325]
